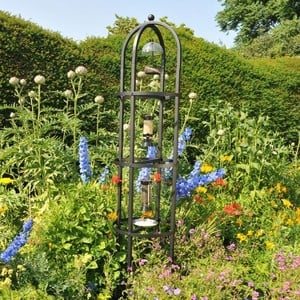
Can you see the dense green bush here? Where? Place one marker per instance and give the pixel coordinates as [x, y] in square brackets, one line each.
[213, 72]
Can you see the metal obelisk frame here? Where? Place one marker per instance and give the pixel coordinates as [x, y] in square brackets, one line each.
[129, 225]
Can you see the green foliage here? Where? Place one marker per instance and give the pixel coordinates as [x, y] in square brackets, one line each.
[212, 72]
[79, 243]
[237, 237]
[283, 40]
[253, 19]
[122, 26]
[27, 51]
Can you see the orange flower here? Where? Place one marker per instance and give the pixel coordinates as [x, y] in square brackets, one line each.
[104, 187]
[115, 179]
[157, 177]
[219, 182]
[198, 199]
[233, 209]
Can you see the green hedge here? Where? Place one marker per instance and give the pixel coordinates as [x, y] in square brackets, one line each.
[270, 87]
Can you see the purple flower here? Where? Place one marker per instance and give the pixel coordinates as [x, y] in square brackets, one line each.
[177, 291]
[255, 295]
[192, 231]
[84, 163]
[18, 242]
[143, 261]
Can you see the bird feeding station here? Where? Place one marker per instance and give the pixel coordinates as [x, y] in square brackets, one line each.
[148, 116]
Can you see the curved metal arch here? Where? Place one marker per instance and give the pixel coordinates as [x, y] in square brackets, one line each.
[138, 31]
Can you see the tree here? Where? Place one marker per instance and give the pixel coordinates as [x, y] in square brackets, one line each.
[122, 25]
[252, 19]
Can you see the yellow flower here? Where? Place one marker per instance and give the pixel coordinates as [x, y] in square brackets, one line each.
[206, 168]
[211, 197]
[112, 216]
[289, 222]
[259, 232]
[274, 204]
[287, 203]
[6, 180]
[250, 232]
[227, 158]
[242, 237]
[239, 222]
[269, 245]
[3, 209]
[278, 187]
[201, 189]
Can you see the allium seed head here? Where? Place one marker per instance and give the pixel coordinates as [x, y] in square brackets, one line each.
[39, 79]
[81, 70]
[71, 74]
[99, 99]
[14, 81]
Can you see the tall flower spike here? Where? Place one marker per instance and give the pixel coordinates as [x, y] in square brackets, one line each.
[144, 173]
[183, 138]
[18, 242]
[103, 175]
[84, 163]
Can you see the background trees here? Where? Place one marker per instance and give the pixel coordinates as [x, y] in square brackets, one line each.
[270, 27]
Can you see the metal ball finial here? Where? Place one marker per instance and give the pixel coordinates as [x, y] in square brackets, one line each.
[151, 17]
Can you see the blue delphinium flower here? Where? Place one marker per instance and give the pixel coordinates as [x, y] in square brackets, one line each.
[103, 175]
[84, 163]
[144, 173]
[184, 186]
[182, 139]
[18, 242]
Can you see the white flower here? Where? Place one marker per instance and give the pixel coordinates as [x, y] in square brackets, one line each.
[68, 93]
[141, 74]
[71, 74]
[81, 70]
[31, 94]
[12, 115]
[23, 82]
[39, 79]
[21, 101]
[126, 127]
[166, 76]
[14, 80]
[156, 77]
[221, 132]
[99, 99]
[192, 96]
